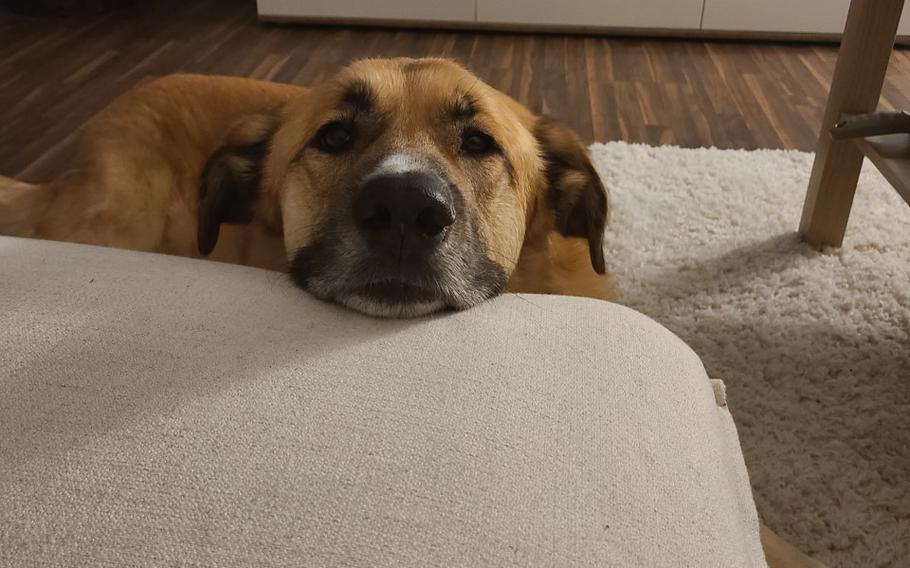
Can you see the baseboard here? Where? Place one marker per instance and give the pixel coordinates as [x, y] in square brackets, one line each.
[659, 33]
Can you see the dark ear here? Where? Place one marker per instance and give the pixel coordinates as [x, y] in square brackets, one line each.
[230, 182]
[574, 189]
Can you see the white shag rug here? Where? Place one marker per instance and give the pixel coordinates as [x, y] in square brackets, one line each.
[814, 347]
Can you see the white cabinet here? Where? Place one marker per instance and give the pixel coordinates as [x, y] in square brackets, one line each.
[419, 10]
[783, 16]
[770, 17]
[795, 16]
[678, 14]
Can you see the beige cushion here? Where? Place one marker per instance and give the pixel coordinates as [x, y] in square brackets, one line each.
[162, 411]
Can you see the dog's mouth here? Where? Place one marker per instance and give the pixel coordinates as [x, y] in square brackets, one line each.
[393, 299]
[368, 289]
[405, 294]
[345, 265]
[397, 291]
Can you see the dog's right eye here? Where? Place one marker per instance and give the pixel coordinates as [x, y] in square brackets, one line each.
[334, 138]
[477, 143]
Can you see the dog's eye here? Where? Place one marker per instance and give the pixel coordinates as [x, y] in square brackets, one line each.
[477, 143]
[334, 137]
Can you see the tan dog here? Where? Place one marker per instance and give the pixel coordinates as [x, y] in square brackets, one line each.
[398, 188]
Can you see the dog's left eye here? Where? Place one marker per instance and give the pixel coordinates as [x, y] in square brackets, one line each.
[334, 137]
[478, 143]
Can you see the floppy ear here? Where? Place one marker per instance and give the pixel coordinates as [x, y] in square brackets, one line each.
[230, 182]
[574, 189]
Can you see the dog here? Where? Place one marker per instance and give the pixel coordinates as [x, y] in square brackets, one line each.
[398, 188]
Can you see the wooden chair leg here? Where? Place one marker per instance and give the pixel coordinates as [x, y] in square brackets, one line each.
[857, 84]
[781, 554]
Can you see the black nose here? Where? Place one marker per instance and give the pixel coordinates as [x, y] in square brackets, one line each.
[404, 214]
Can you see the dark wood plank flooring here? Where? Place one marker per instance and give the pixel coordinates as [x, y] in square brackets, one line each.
[55, 74]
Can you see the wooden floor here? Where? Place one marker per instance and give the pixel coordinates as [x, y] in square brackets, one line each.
[55, 74]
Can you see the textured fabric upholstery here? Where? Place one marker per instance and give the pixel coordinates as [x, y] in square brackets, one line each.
[164, 411]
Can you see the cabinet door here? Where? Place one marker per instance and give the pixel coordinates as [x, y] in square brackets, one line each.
[681, 14]
[426, 10]
[795, 16]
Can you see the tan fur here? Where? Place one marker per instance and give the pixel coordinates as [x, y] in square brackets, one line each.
[136, 174]
[20, 205]
[559, 265]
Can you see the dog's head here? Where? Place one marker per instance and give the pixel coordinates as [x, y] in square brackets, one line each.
[404, 186]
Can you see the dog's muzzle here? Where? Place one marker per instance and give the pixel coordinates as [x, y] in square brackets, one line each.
[401, 243]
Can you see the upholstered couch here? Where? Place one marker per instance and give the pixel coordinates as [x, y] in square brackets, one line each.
[161, 411]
